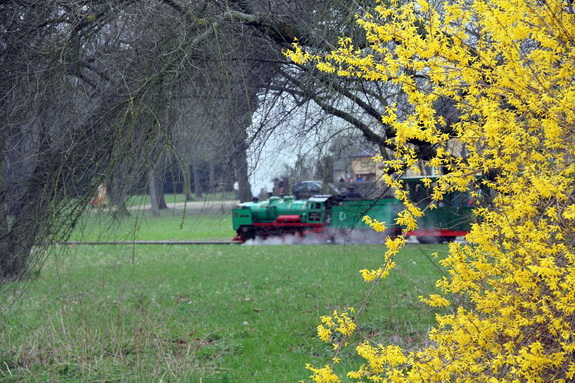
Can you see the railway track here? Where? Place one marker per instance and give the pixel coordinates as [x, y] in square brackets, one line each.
[74, 243]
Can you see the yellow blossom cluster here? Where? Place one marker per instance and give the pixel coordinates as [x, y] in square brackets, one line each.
[337, 322]
[374, 224]
[509, 68]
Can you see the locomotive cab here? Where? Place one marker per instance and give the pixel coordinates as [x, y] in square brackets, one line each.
[318, 209]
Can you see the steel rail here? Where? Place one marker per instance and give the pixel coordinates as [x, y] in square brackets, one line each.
[73, 243]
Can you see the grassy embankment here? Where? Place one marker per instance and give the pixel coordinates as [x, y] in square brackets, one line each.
[200, 313]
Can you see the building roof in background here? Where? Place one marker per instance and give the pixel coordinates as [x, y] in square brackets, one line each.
[364, 153]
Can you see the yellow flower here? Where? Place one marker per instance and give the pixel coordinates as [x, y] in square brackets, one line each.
[507, 67]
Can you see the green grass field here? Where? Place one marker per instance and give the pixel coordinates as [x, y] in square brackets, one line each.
[210, 313]
[140, 200]
[197, 220]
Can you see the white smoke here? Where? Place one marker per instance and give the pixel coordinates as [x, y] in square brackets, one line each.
[288, 239]
[341, 237]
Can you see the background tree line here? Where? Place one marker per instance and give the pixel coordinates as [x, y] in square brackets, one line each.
[111, 91]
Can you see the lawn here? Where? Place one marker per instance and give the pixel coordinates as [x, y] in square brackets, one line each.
[204, 220]
[209, 313]
[140, 200]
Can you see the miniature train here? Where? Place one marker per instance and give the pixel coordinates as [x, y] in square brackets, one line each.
[337, 218]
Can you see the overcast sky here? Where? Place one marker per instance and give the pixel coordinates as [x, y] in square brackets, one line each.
[290, 131]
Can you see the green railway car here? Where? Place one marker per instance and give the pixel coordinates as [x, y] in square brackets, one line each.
[347, 216]
[451, 218]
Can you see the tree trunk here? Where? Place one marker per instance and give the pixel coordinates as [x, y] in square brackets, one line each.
[154, 201]
[156, 186]
[197, 180]
[30, 215]
[213, 182]
[245, 192]
[117, 194]
[12, 264]
[326, 174]
[4, 227]
[161, 196]
[186, 171]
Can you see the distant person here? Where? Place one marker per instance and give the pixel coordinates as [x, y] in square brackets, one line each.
[276, 186]
[270, 188]
[341, 185]
[352, 194]
[100, 199]
[237, 190]
[263, 194]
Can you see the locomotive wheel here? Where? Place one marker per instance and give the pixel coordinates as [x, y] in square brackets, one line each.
[448, 239]
[426, 239]
[247, 232]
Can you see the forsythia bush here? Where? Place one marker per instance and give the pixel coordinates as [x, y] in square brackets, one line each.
[509, 67]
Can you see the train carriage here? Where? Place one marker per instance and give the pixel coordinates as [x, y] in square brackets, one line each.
[451, 218]
[347, 219]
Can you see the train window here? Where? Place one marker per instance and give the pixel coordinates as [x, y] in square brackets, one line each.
[459, 199]
[418, 193]
[465, 199]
